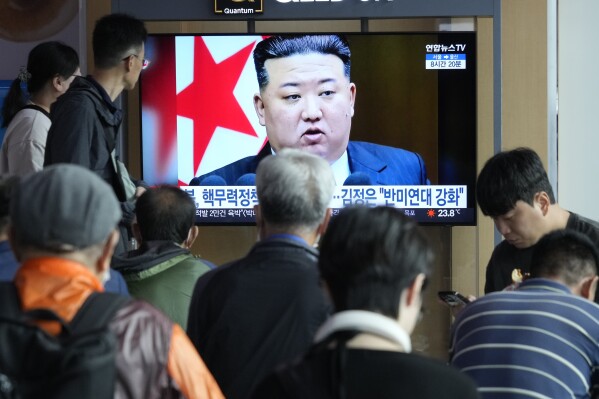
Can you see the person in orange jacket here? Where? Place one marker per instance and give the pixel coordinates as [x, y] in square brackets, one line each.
[64, 230]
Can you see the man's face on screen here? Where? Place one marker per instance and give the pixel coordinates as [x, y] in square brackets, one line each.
[308, 104]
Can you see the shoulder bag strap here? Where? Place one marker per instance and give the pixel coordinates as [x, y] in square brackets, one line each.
[97, 311]
[11, 307]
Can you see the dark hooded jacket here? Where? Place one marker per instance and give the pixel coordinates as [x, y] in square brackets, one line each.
[164, 274]
[84, 131]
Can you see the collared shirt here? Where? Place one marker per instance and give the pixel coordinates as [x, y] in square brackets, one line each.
[537, 341]
[340, 167]
[292, 237]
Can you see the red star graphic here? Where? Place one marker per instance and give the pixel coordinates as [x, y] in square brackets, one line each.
[209, 100]
[430, 213]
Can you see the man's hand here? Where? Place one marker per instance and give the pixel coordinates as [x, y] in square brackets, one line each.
[458, 306]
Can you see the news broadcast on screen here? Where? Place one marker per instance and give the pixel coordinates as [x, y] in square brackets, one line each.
[415, 91]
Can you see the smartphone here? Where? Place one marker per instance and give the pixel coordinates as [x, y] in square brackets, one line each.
[453, 298]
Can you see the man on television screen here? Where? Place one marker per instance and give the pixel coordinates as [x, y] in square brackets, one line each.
[306, 101]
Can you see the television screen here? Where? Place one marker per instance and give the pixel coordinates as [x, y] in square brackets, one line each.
[414, 91]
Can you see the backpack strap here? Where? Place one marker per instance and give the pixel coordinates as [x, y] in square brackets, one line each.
[97, 311]
[9, 298]
[37, 108]
[11, 307]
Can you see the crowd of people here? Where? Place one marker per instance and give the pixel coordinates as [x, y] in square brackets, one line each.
[320, 307]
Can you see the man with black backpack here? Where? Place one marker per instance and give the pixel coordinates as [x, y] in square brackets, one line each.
[60, 336]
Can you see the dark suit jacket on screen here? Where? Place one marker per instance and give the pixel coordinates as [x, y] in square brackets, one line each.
[384, 165]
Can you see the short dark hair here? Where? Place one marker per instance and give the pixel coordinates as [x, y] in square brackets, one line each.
[565, 254]
[369, 256]
[7, 186]
[115, 35]
[45, 61]
[509, 177]
[165, 213]
[288, 45]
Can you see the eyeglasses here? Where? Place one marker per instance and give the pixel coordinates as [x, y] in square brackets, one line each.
[144, 62]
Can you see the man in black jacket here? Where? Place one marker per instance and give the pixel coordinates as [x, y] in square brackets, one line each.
[86, 120]
[247, 317]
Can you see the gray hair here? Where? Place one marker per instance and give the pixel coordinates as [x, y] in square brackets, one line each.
[294, 188]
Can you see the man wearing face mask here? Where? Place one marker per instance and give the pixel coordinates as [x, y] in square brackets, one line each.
[247, 317]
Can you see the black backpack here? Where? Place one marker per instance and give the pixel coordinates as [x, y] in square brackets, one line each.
[78, 363]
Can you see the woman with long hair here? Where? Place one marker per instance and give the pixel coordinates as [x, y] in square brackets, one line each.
[51, 67]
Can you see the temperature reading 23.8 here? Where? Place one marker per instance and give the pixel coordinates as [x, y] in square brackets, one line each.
[447, 213]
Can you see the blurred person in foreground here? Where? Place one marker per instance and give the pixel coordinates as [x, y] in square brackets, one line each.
[66, 258]
[374, 262]
[9, 264]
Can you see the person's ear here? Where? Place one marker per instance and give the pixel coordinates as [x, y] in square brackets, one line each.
[57, 84]
[410, 304]
[542, 198]
[414, 290]
[588, 288]
[130, 64]
[259, 107]
[103, 261]
[322, 227]
[352, 92]
[191, 236]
